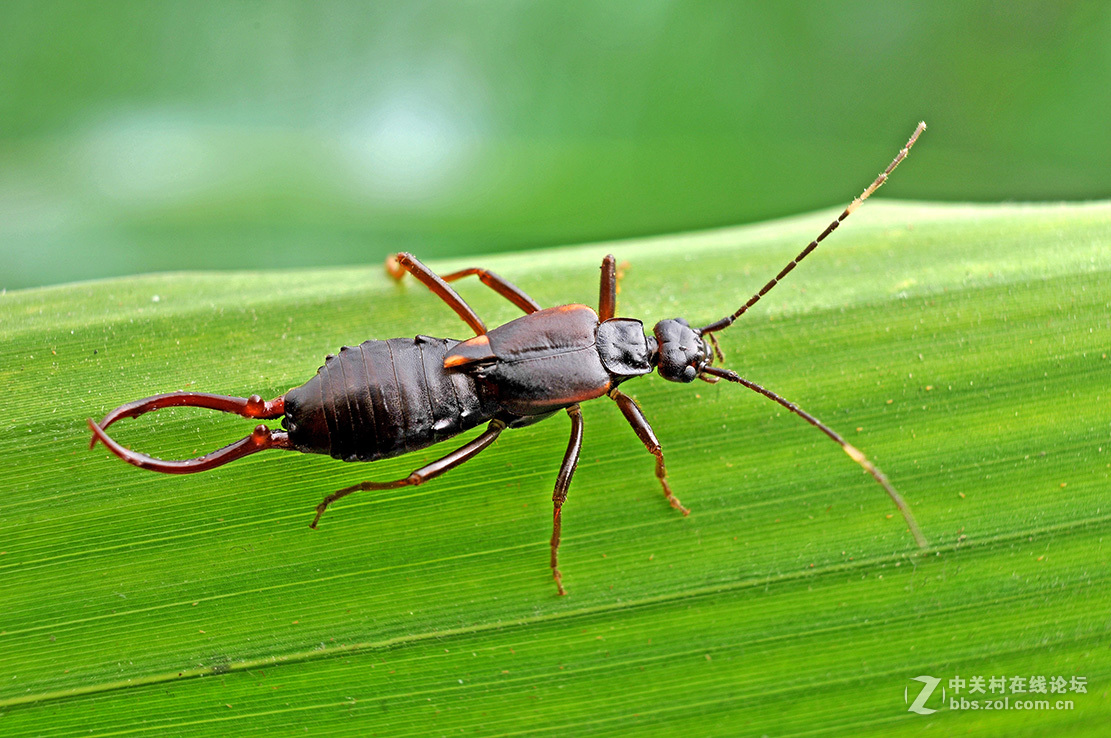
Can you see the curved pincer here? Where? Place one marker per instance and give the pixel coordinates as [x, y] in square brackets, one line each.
[260, 439]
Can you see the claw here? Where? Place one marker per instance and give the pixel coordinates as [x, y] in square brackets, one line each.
[260, 439]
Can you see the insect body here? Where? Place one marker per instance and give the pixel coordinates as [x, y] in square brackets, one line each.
[386, 398]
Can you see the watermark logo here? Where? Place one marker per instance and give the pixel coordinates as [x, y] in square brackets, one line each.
[995, 692]
[929, 684]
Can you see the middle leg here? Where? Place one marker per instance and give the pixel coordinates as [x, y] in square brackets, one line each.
[563, 481]
[401, 263]
[503, 287]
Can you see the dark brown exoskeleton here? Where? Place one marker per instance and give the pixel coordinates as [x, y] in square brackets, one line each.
[386, 398]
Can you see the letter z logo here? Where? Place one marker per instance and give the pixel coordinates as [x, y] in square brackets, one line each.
[929, 684]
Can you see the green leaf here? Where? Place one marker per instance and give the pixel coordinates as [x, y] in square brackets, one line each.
[962, 348]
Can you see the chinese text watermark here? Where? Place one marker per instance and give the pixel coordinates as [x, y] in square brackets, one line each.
[995, 692]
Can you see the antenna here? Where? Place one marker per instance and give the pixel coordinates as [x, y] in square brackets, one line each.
[728, 320]
[853, 452]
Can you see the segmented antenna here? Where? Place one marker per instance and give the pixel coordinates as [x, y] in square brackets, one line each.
[728, 320]
[853, 452]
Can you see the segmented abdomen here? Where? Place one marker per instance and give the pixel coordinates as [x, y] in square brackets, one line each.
[382, 399]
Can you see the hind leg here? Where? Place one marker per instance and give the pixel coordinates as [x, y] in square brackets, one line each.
[460, 455]
[427, 277]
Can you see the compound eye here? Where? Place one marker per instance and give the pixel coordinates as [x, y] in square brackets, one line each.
[689, 373]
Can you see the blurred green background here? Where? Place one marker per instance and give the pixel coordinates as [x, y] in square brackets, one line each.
[139, 137]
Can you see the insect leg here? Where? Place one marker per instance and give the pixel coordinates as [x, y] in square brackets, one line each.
[502, 286]
[563, 481]
[408, 263]
[464, 453]
[647, 436]
[607, 289]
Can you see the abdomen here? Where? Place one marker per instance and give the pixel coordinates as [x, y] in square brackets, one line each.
[382, 399]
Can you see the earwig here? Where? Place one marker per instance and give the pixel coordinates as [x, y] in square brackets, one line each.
[385, 398]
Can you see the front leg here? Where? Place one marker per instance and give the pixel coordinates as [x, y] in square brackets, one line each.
[607, 289]
[644, 432]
